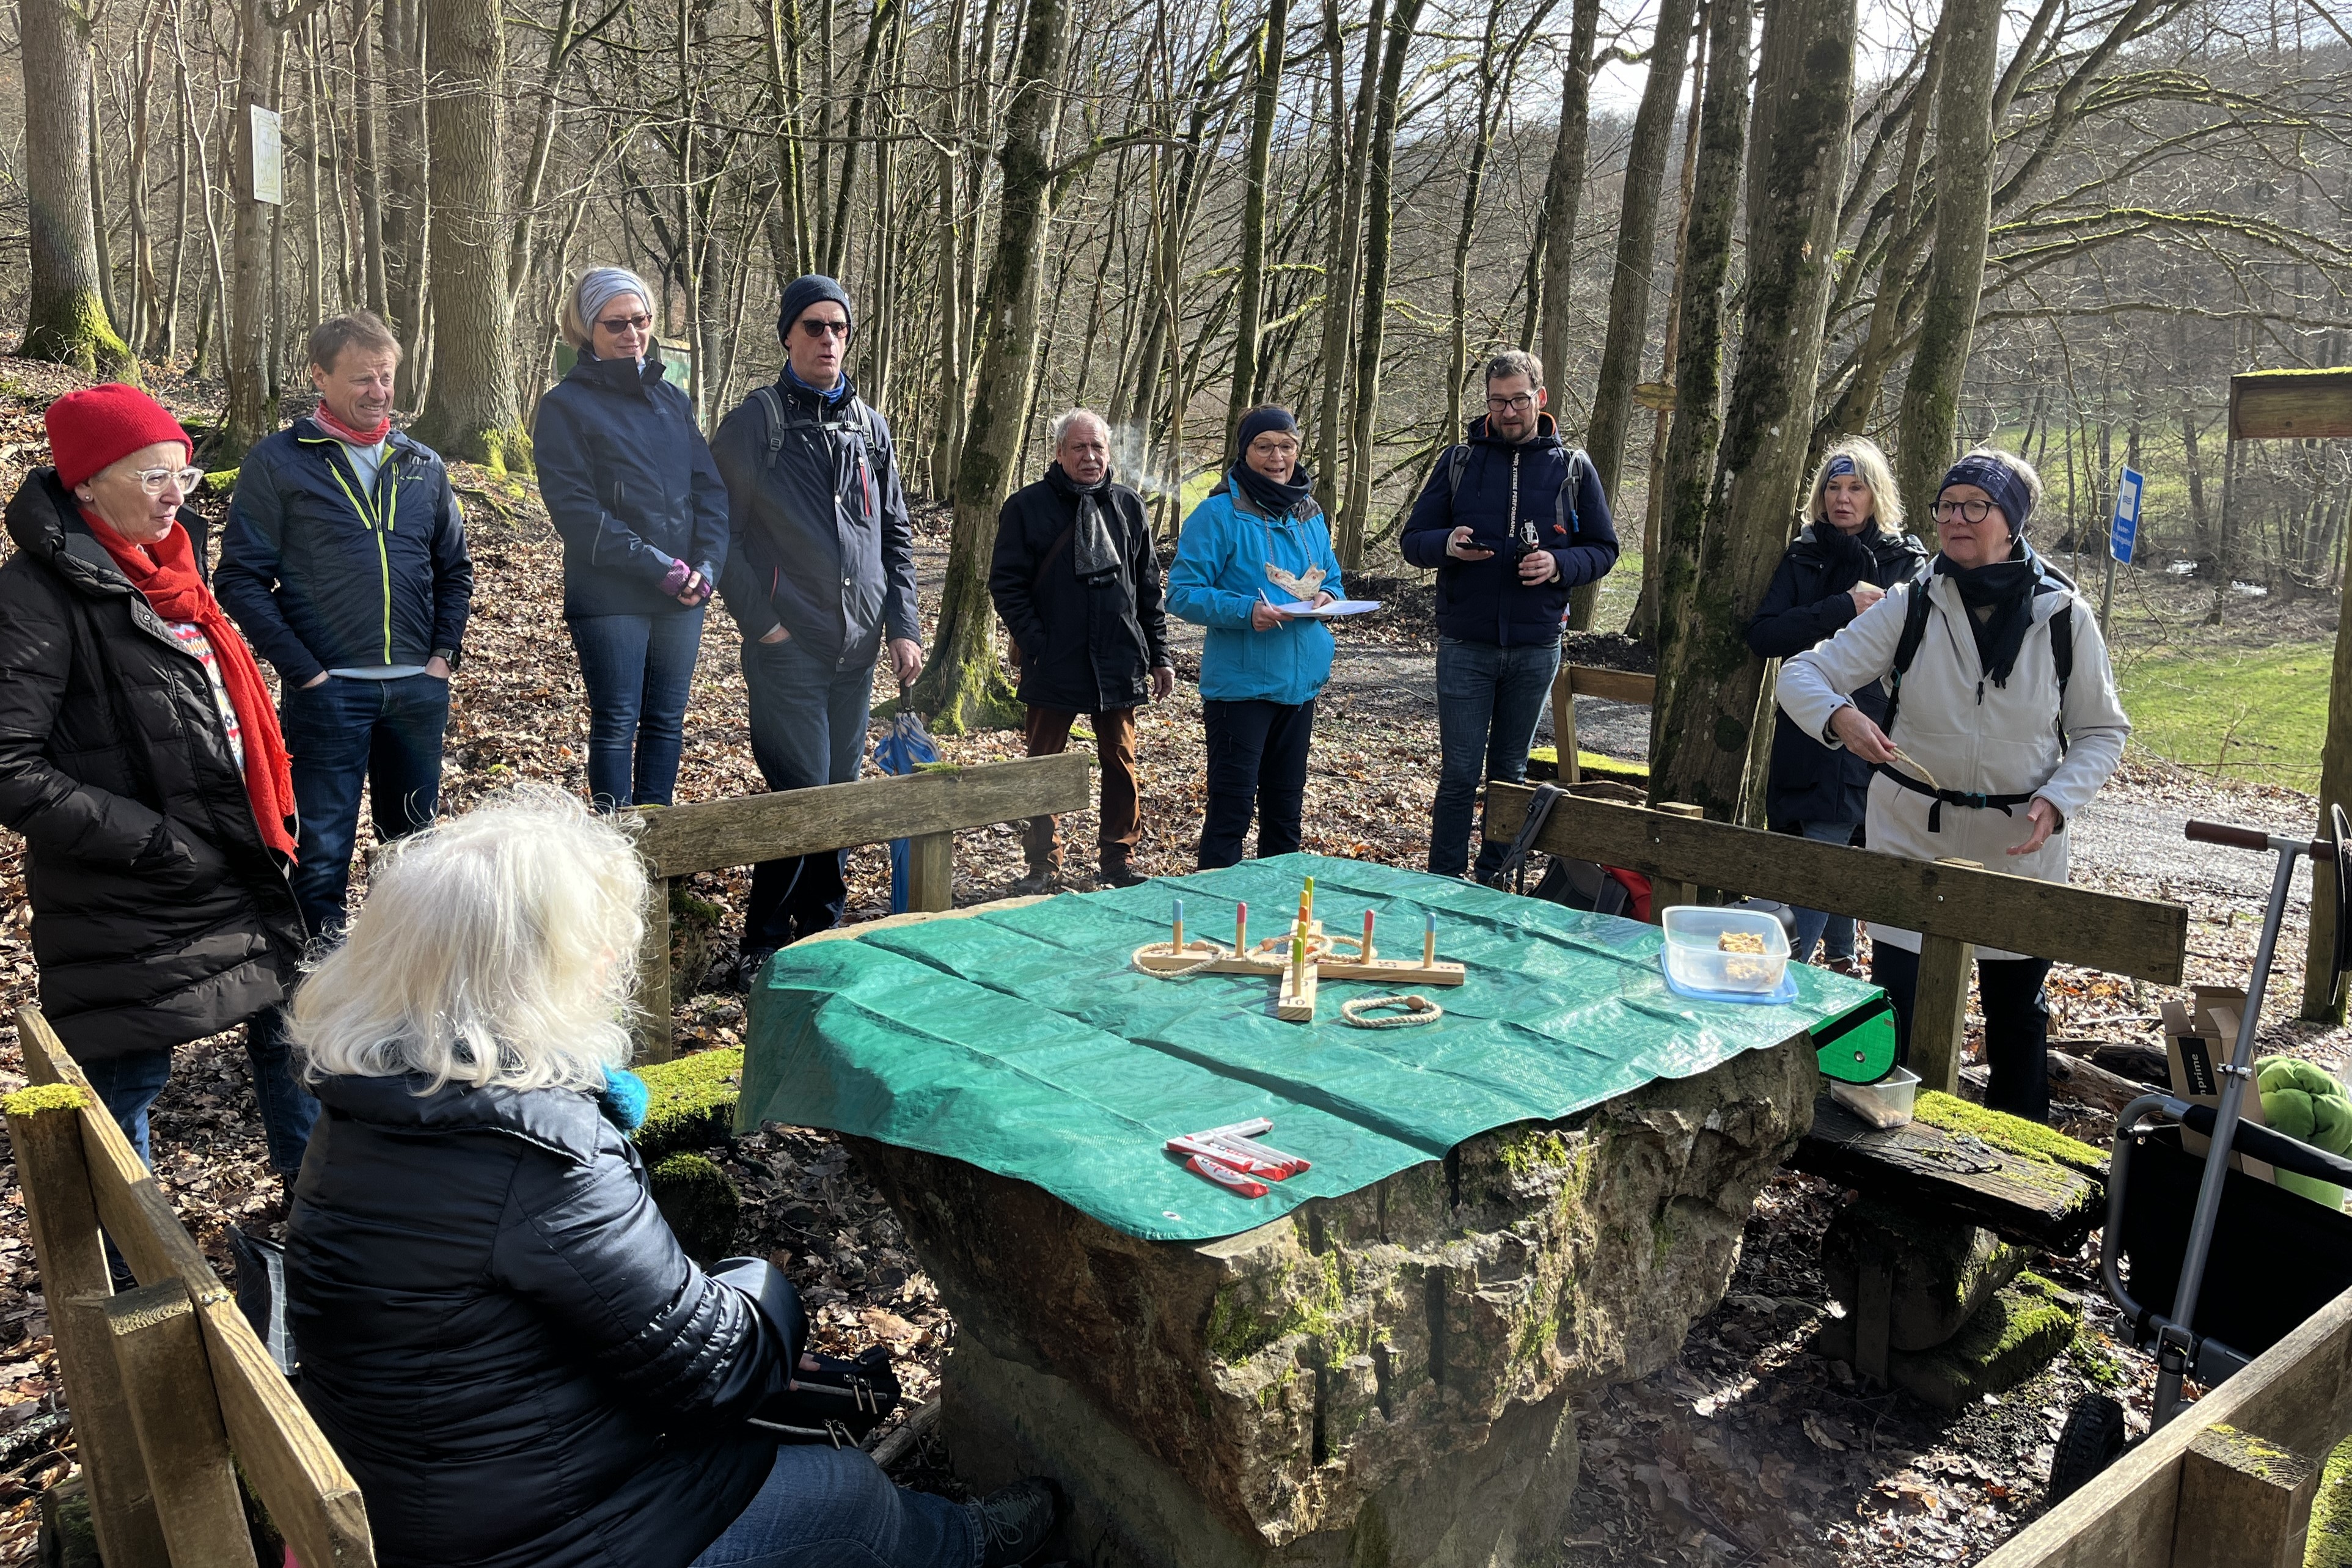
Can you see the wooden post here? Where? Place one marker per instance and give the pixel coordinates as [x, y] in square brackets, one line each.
[167, 1382]
[45, 1133]
[2244, 1503]
[1563, 722]
[930, 872]
[1663, 893]
[1939, 1007]
[1873, 1319]
[652, 1030]
[2320, 1002]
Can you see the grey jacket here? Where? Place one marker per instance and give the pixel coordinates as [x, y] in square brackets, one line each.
[818, 540]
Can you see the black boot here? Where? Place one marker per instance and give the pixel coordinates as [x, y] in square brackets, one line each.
[1014, 1521]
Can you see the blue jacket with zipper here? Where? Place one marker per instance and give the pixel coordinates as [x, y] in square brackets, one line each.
[631, 486]
[322, 573]
[1220, 573]
[1504, 488]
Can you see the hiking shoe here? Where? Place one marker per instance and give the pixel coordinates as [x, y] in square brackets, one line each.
[735, 973]
[1120, 875]
[1035, 882]
[1014, 1521]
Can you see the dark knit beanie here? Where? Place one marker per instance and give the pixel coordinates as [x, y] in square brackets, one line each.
[1258, 421]
[807, 291]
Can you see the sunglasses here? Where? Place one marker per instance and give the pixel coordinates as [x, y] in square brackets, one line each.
[617, 325]
[827, 329]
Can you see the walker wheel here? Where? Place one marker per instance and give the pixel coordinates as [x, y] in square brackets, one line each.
[2092, 1439]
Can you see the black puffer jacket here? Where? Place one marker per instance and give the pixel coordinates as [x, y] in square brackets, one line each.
[1808, 602]
[158, 914]
[500, 1337]
[1088, 645]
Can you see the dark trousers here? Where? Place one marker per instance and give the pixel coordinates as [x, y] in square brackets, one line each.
[808, 727]
[345, 732]
[1257, 756]
[128, 1084]
[1047, 730]
[1489, 699]
[2016, 1022]
[639, 671]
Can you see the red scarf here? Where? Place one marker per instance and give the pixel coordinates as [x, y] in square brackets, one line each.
[344, 433]
[165, 572]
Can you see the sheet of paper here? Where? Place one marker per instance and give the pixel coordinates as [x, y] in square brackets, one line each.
[1336, 608]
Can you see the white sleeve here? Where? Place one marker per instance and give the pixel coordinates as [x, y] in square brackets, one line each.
[2094, 718]
[1819, 681]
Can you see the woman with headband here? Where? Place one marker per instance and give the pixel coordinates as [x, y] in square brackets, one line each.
[643, 513]
[2002, 725]
[1852, 550]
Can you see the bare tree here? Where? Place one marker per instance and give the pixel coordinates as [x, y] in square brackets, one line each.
[67, 318]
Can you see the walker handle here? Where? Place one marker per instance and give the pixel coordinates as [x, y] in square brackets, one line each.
[2252, 838]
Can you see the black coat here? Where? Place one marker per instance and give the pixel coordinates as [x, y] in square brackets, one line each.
[500, 1337]
[1806, 604]
[630, 484]
[159, 916]
[1086, 647]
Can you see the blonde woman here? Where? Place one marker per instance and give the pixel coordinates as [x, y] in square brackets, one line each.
[1852, 551]
[497, 1331]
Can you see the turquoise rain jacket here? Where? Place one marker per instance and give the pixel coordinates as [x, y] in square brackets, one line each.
[1220, 572]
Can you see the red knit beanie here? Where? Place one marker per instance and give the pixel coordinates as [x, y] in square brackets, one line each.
[101, 424]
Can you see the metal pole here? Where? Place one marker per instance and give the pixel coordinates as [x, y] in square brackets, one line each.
[2108, 591]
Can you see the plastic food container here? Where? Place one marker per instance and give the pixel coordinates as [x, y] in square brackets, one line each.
[1696, 963]
[1884, 1104]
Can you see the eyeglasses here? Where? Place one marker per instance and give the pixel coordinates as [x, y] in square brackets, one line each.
[1970, 511]
[617, 325]
[826, 329]
[1519, 405]
[153, 481]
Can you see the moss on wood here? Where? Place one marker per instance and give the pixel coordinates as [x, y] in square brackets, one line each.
[700, 1203]
[2010, 1134]
[43, 1096]
[2028, 1325]
[2329, 1543]
[691, 1103]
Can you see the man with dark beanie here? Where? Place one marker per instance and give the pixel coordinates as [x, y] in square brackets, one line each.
[1077, 582]
[820, 572]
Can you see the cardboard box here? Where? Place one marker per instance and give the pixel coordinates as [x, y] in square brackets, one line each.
[2198, 1041]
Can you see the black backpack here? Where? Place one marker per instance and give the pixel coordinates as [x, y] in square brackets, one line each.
[1563, 505]
[1567, 881]
[1915, 631]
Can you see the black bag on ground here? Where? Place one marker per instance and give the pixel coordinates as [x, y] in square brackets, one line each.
[1568, 882]
[260, 1267]
[840, 1401]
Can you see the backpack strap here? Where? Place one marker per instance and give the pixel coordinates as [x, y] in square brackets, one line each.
[1563, 508]
[1457, 458]
[772, 407]
[1514, 859]
[1907, 648]
[2062, 660]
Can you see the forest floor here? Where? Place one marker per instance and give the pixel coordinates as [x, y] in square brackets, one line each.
[1751, 1449]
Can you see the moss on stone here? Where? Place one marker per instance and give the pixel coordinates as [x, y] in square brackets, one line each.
[43, 1096]
[2011, 1135]
[700, 1203]
[2329, 1542]
[692, 1104]
[1537, 1147]
[222, 483]
[2027, 1323]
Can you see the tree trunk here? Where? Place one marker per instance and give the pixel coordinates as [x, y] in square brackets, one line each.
[1564, 190]
[1697, 429]
[66, 320]
[877, 26]
[471, 415]
[1491, 81]
[1349, 159]
[1381, 214]
[1712, 688]
[249, 415]
[963, 687]
[98, 229]
[370, 166]
[1247, 372]
[1628, 332]
[408, 214]
[1964, 175]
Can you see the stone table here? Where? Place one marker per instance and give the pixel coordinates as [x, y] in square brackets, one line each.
[1371, 1381]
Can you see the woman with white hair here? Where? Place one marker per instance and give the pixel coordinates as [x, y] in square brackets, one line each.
[497, 1330]
[639, 501]
[1852, 550]
[2002, 724]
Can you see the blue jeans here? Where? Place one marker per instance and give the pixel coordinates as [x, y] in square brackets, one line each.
[832, 1507]
[1835, 932]
[1488, 700]
[639, 671]
[128, 1084]
[808, 727]
[342, 733]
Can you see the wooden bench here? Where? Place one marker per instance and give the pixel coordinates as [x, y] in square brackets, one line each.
[926, 808]
[171, 1391]
[1575, 680]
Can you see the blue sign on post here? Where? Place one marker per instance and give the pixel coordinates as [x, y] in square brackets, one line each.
[2125, 532]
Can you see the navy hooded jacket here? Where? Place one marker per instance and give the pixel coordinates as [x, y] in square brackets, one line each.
[1483, 600]
[631, 485]
[323, 574]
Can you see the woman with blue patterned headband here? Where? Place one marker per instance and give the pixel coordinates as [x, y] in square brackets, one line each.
[1852, 551]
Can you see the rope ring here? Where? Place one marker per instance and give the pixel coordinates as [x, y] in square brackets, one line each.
[1418, 1010]
[1216, 955]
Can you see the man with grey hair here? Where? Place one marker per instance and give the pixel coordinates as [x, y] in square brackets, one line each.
[1077, 581]
[1511, 520]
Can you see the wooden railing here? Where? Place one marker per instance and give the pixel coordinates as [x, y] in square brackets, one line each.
[170, 1391]
[1575, 680]
[926, 808]
[1955, 905]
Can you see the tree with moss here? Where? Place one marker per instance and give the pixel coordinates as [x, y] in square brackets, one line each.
[67, 320]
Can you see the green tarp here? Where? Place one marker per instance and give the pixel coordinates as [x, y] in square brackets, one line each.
[1020, 1041]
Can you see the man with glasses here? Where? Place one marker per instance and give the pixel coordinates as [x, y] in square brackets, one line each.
[1511, 520]
[344, 561]
[820, 575]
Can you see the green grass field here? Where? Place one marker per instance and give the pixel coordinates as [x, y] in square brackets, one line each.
[2260, 715]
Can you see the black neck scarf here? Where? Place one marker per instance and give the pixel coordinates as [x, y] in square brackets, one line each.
[1092, 550]
[2006, 589]
[1274, 500]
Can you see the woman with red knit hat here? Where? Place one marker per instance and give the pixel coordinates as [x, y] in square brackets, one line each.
[140, 756]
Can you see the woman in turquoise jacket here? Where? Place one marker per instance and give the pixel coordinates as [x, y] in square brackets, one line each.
[1258, 540]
